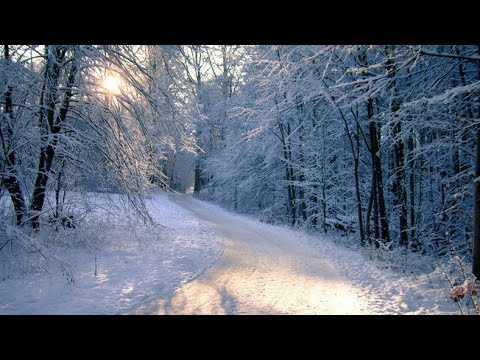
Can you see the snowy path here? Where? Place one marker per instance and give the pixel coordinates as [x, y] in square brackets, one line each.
[262, 271]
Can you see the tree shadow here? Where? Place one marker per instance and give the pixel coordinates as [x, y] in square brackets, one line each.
[218, 302]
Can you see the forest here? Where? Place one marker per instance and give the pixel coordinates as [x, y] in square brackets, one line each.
[378, 144]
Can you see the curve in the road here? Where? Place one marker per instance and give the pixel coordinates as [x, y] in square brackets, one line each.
[262, 271]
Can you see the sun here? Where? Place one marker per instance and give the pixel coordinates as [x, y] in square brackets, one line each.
[111, 83]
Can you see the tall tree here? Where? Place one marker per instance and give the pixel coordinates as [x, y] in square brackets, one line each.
[9, 173]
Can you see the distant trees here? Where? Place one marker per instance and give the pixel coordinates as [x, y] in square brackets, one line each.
[371, 140]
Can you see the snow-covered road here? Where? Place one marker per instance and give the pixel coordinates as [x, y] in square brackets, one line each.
[262, 271]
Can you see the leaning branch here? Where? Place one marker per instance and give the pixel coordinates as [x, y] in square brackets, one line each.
[452, 56]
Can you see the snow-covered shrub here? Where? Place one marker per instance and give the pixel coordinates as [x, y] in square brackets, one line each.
[21, 252]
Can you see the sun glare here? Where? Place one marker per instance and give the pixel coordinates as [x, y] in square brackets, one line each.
[111, 83]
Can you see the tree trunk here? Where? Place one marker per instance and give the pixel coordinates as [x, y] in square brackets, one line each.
[411, 148]
[235, 197]
[356, 158]
[377, 168]
[58, 189]
[53, 127]
[359, 203]
[10, 180]
[301, 178]
[476, 209]
[288, 176]
[374, 193]
[357, 188]
[399, 148]
[372, 202]
[197, 180]
[401, 192]
[376, 196]
[381, 198]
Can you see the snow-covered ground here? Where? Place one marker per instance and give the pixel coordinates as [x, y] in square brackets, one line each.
[198, 258]
[277, 270]
[135, 263]
[397, 285]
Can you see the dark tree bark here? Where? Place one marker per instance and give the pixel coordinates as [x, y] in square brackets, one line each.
[314, 197]
[374, 194]
[301, 177]
[10, 180]
[399, 151]
[378, 176]
[377, 199]
[476, 206]
[476, 211]
[197, 184]
[52, 127]
[288, 172]
[357, 185]
[293, 197]
[411, 148]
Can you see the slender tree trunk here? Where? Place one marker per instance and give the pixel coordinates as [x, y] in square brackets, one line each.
[372, 202]
[10, 180]
[172, 172]
[290, 189]
[293, 198]
[315, 189]
[476, 208]
[377, 195]
[401, 192]
[359, 203]
[301, 178]
[380, 215]
[53, 127]
[314, 200]
[476, 211]
[399, 148]
[355, 147]
[324, 207]
[58, 189]
[374, 192]
[357, 187]
[411, 148]
[235, 197]
[411, 181]
[381, 198]
[197, 179]
[324, 181]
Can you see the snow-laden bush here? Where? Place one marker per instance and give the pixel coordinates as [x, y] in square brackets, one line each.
[21, 252]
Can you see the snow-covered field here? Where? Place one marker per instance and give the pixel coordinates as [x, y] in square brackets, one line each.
[134, 264]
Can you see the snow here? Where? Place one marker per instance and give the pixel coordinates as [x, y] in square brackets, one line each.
[200, 259]
[269, 269]
[386, 288]
[262, 271]
[135, 263]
